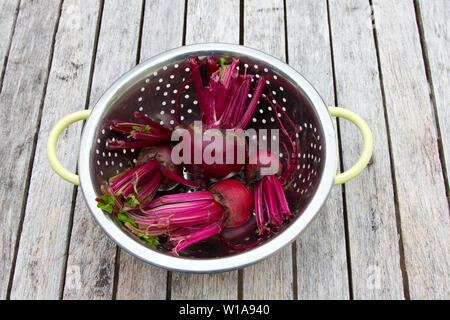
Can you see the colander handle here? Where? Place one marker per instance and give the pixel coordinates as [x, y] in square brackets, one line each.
[368, 144]
[51, 145]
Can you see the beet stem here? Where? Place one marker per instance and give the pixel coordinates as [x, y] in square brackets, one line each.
[169, 174]
[199, 234]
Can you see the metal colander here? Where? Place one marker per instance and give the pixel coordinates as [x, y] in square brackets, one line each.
[152, 88]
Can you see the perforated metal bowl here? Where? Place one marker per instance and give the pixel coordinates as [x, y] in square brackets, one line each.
[152, 88]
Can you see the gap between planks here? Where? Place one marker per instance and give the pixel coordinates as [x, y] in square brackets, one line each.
[426, 61]
[391, 159]
[8, 46]
[86, 106]
[341, 160]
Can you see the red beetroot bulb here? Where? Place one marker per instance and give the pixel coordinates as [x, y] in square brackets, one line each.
[187, 218]
[161, 153]
[213, 148]
[236, 199]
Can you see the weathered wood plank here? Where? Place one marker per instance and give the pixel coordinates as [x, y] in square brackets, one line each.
[212, 21]
[217, 286]
[373, 238]
[91, 260]
[321, 252]
[157, 37]
[137, 279]
[43, 243]
[420, 192]
[8, 16]
[436, 27]
[271, 278]
[20, 103]
[205, 24]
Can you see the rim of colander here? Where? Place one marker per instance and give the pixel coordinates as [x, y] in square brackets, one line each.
[220, 264]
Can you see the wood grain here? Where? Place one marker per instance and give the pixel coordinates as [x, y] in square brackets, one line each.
[217, 286]
[41, 256]
[396, 212]
[435, 18]
[204, 24]
[8, 16]
[271, 278]
[137, 279]
[321, 249]
[20, 101]
[212, 21]
[157, 37]
[373, 238]
[420, 191]
[92, 255]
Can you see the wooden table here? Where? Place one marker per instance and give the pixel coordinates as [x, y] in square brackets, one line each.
[384, 235]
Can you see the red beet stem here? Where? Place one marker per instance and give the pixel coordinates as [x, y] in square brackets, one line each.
[285, 177]
[228, 204]
[144, 135]
[259, 209]
[271, 199]
[234, 100]
[149, 190]
[152, 129]
[183, 240]
[280, 196]
[180, 215]
[211, 67]
[223, 101]
[134, 178]
[181, 197]
[169, 174]
[226, 79]
[272, 202]
[122, 144]
[198, 84]
[173, 208]
[143, 117]
[270, 208]
[252, 105]
[242, 100]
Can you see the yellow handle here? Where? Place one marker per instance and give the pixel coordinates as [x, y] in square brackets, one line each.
[368, 144]
[53, 138]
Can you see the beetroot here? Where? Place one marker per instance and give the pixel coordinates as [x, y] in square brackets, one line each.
[271, 206]
[136, 187]
[227, 101]
[213, 146]
[190, 217]
[163, 155]
[143, 135]
[236, 199]
[223, 105]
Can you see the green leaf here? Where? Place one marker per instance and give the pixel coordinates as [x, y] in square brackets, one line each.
[135, 128]
[106, 202]
[106, 207]
[146, 129]
[124, 218]
[108, 199]
[153, 241]
[132, 201]
[222, 66]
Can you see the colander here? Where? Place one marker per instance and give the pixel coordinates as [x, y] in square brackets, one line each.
[152, 88]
